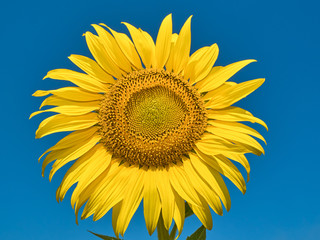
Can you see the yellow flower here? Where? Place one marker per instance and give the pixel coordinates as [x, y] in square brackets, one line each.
[161, 129]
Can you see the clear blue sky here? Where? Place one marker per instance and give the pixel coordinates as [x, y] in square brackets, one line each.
[282, 199]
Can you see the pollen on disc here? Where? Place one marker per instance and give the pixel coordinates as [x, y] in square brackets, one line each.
[151, 118]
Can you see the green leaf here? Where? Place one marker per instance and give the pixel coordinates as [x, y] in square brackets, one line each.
[103, 236]
[200, 234]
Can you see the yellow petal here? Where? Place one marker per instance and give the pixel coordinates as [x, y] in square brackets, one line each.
[238, 127]
[131, 200]
[92, 68]
[237, 137]
[166, 196]
[169, 63]
[86, 193]
[219, 90]
[113, 192]
[163, 42]
[72, 139]
[126, 47]
[225, 167]
[101, 56]
[69, 110]
[202, 187]
[181, 183]
[85, 170]
[78, 152]
[62, 123]
[240, 158]
[82, 80]
[70, 93]
[234, 114]
[113, 49]
[203, 213]
[68, 153]
[200, 63]
[115, 215]
[219, 75]
[179, 212]
[144, 46]
[182, 47]
[151, 44]
[58, 101]
[215, 149]
[151, 201]
[100, 192]
[233, 94]
[213, 145]
[213, 178]
[104, 192]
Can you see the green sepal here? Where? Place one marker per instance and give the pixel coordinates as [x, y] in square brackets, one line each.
[104, 237]
[163, 233]
[200, 234]
[173, 232]
[187, 213]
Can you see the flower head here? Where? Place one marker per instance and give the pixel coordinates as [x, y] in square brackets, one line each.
[149, 122]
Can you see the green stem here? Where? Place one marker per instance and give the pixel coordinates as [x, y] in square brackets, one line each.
[163, 233]
[173, 232]
[188, 213]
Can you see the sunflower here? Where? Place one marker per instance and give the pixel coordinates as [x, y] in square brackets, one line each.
[149, 122]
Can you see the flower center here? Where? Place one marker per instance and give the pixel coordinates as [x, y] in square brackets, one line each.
[151, 118]
[154, 111]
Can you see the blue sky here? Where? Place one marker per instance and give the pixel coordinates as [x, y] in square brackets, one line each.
[282, 197]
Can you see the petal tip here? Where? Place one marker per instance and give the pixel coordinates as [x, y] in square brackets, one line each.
[35, 94]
